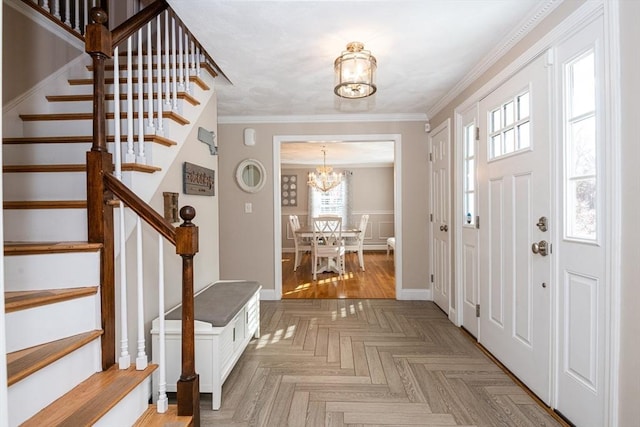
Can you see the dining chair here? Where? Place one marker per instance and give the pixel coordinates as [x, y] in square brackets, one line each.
[299, 243]
[327, 243]
[357, 244]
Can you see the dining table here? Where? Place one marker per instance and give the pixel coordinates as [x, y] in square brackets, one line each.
[348, 232]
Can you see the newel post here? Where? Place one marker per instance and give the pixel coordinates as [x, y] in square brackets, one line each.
[99, 163]
[188, 387]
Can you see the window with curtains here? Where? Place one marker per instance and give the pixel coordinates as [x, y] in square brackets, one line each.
[333, 202]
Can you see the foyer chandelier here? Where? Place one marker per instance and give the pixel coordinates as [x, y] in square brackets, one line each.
[355, 71]
[324, 178]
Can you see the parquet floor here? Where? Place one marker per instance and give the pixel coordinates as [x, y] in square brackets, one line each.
[377, 281]
[367, 362]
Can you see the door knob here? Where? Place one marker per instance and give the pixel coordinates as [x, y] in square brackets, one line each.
[444, 228]
[542, 247]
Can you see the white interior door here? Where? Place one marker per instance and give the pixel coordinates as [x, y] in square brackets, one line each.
[514, 192]
[469, 300]
[582, 333]
[440, 221]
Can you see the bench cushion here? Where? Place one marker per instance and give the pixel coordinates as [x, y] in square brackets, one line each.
[219, 303]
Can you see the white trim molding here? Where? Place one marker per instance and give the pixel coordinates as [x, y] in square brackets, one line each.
[415, 295]
[327, 118]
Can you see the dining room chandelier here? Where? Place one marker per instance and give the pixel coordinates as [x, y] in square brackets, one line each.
[355, 72]
[324, 178]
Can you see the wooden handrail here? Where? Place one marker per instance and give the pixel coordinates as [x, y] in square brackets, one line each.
[142, 209]
[137, 21]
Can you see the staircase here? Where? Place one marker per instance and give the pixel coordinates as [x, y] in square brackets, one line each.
[55, 295]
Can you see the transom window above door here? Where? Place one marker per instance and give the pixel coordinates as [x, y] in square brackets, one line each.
[509, 126]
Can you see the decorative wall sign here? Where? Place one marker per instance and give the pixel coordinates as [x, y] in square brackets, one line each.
[289, 190]
[198, 180]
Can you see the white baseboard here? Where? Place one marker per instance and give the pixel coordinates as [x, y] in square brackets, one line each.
[268, 295]
[415, 294]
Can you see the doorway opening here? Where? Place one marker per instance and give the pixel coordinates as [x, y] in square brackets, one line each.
[379, 268]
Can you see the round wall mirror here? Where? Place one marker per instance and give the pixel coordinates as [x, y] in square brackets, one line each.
[251, 175]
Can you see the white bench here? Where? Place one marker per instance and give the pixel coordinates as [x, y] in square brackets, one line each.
[227, 316]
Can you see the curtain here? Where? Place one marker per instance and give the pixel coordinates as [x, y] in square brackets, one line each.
[337, 201]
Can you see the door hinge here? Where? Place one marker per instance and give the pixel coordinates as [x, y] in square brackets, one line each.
[477, 310]
[432, 278]
[477, 221]
[477, 133]
[431, 157]
[431, 217]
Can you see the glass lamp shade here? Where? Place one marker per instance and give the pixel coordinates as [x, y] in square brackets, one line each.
[355, 72]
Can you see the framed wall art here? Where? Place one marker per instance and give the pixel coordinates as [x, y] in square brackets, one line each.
[289, 190]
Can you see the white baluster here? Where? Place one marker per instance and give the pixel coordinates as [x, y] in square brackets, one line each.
[116, 115]
[131, 156]
[193, 59]
[198, 59]
[125, 358]
[140, 157]
[174, 78]
[67, 13]
[56, 9]
[150, 126]
[163, 400]
[45, 5]
[76, 19]
[167, 62]
[187, 82]
[141, 359]
[180, 60]
[160, 127]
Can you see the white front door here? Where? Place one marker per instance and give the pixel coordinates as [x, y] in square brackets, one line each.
[469, 231]
[440, 221]
[514, 193]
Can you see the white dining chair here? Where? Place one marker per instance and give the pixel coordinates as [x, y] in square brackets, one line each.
[300, 244]
[357, 244]
[327, 243]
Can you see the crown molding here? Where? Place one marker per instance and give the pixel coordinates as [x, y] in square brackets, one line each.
[518, 33]
[326, 118]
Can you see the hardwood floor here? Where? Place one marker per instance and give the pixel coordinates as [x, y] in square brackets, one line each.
[377, 281]
[367, 362]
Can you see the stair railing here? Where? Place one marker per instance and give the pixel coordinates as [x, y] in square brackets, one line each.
[145, 30]
[70, 15]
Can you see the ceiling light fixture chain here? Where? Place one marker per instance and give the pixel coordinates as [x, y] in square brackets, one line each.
[324, 179]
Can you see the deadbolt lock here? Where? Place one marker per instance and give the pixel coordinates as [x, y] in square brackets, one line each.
[542, 223]
[542, 247]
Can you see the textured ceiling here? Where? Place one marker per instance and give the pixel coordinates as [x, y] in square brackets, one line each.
[279, 55]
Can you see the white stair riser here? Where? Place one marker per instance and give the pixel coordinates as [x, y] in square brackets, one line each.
[43, 387]
[45, 154]
[78, 106]
[129, 409]
[42, 128]
[60, 154]
[38, 186]
[34, 326]
[45, 225]
[51, 271]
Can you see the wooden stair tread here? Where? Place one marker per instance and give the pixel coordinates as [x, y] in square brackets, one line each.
[127, 167]
[109, 81]
[45, 204]
[89, 116]
[87, 139]
[34, 248]
[86, 403]
[22, 300]
[151, 418]
[109, 97]
[22, 363]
